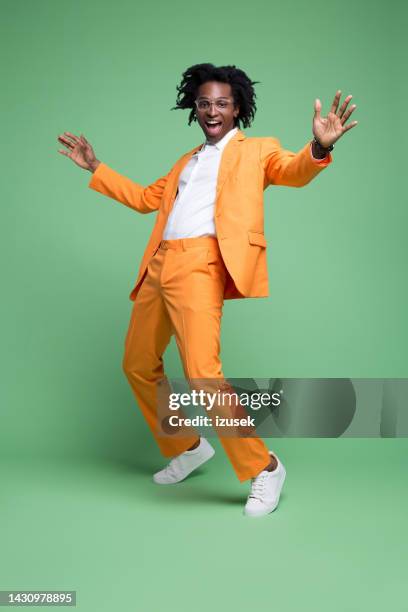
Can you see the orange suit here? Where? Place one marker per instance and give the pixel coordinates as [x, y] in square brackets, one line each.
[182, 283]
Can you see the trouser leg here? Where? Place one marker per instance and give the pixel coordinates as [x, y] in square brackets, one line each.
[192, 283]
[149, 333]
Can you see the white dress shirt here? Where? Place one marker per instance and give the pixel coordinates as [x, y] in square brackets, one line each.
[193, 212]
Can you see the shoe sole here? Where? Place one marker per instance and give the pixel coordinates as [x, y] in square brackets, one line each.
[188, 473]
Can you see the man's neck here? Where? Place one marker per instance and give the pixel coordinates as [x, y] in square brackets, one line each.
[226, 136]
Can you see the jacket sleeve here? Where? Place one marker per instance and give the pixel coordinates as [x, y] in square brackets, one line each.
[282, 167]
[124, 190]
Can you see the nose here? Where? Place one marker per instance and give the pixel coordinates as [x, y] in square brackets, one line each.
[212, 111]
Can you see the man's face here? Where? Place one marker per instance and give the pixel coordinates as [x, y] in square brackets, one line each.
[216, 121]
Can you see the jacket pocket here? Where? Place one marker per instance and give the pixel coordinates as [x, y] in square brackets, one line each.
[257, 238]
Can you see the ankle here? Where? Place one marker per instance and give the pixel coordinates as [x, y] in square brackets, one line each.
[272, 465]
[195, 445]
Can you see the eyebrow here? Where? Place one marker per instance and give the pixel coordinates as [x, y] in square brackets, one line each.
[220, 98]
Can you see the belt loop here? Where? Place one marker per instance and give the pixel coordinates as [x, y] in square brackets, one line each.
[183, 244]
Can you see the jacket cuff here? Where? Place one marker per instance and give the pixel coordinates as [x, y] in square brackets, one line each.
[96, 176]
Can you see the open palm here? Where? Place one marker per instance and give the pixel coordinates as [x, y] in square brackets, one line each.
[329, 129]
[79, 150]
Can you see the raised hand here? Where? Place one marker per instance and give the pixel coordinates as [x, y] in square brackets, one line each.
[329, 129]
[79, 150]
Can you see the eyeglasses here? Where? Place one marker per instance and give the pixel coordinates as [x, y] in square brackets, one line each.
[220, 104]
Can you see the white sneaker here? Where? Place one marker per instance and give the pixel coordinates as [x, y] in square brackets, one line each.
[182, 465]
[265, 491]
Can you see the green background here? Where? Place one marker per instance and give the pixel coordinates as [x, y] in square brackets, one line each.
[78, 507]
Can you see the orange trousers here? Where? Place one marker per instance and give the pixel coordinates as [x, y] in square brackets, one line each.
[182, 294]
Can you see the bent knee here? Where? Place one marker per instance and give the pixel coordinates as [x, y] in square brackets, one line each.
[139, 366]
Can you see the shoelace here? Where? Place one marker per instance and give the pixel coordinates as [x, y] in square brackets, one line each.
[258, 486]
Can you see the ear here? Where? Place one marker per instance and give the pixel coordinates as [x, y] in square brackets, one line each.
[236, 111]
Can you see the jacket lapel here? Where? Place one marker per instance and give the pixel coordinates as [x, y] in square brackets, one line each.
[176, 175]
[228, 158]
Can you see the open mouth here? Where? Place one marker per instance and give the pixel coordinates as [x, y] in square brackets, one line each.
[213, 127]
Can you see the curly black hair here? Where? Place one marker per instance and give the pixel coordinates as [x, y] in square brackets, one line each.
[241, 85]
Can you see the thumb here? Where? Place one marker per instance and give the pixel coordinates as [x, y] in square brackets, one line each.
[317, 108]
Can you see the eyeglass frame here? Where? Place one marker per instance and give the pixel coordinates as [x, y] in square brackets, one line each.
[211, 102]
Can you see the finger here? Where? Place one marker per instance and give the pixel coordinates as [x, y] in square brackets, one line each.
[65, 141]
[336, 101]
[348, 113]
[64, 152]
[344, 105]
[72, 136]
[317, 108]
[68, 142]
[84, 139]
[348, 127]
[63, 138]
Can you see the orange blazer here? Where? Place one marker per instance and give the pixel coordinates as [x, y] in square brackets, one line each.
[247, 167]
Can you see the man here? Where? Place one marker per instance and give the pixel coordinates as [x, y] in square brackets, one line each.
[207, 245]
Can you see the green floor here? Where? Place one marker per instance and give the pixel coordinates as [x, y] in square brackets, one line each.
[338, 541]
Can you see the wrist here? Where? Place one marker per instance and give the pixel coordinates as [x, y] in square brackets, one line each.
[93, 165]
[318, 152]
[318, 144]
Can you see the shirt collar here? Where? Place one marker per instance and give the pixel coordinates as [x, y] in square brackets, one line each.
[220, 145]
